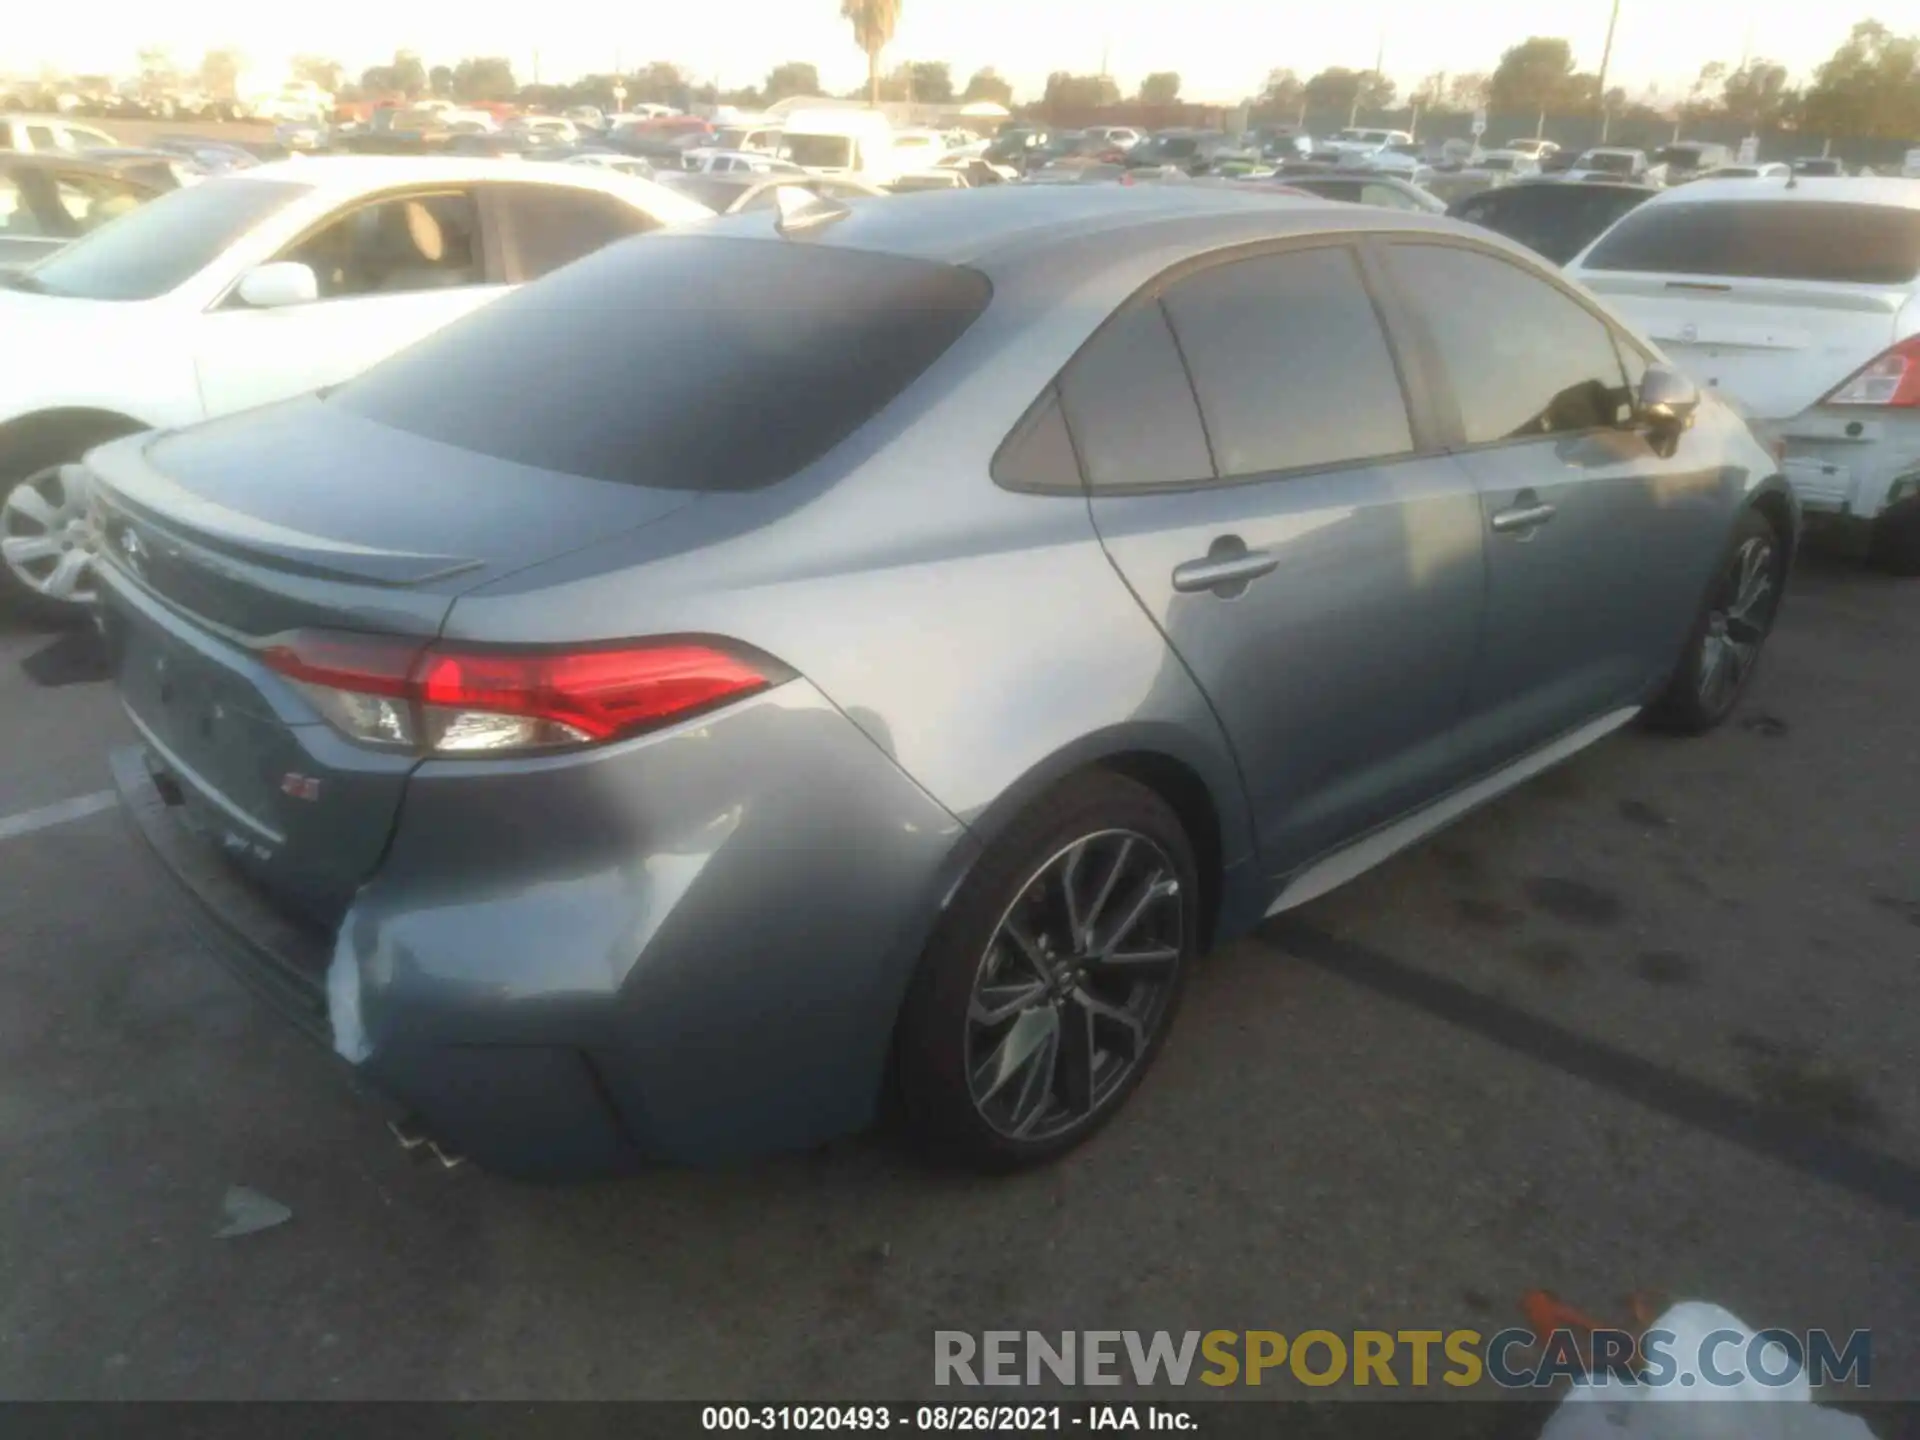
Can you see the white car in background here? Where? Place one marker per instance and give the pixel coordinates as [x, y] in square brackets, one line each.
[36, 134]
[1608, 162]
[1538, 149]
[1357, 146]
[1802, 304]
[709, 160]
[258, 286]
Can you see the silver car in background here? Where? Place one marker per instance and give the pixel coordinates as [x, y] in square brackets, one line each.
[930, 628]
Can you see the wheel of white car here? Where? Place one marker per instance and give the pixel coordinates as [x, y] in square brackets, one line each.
[45, 567]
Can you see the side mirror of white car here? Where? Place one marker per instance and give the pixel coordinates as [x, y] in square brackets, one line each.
[284, 282]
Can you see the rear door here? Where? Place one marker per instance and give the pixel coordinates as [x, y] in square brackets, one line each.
[1772, 301]
[391, 270]
[1597, 547]
[1285, 519]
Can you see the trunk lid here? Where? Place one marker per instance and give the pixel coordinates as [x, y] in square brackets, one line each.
[1776, 346]
[302, 516]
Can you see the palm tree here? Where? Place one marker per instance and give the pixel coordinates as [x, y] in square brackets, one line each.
[873, 22]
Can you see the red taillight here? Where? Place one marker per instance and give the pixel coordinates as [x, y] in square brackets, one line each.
[365, 664]
[1891, 378]
[455, 701]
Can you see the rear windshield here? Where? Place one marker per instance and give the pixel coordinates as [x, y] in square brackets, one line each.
[166, 242]
[698, 363]
[824, 151]
[1768, 240]
[1557, 221]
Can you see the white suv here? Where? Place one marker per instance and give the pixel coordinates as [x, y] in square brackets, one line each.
[1800, 300]
[258, 286]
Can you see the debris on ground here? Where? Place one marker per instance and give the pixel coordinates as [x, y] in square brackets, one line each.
[248, 1211]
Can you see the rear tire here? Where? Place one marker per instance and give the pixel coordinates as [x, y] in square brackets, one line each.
[1723, 647]
[1895, 546]
[1051, 981]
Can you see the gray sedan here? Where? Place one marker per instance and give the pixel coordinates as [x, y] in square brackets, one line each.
[896, 662]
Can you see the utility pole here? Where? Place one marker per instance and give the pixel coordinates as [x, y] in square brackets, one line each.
[1379, 59]
[536, 67]
[1606, 55]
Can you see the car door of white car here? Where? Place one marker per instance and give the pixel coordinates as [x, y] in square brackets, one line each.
[390, 271]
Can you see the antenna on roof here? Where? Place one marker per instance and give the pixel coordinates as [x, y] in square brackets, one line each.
[802, 211]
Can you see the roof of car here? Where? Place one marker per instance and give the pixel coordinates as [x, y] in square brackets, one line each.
[345, 176]
[1009, 222]
[100, 162]
[1887, 190]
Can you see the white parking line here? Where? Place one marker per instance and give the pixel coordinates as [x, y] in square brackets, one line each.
[58, 813]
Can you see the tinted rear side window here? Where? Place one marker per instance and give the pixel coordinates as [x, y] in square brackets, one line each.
[553, 226]
[1768, 240]
[695, 363]
[1290, 363]
[1131, 408]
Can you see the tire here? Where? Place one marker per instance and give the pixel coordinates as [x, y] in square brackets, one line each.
[1724, 644]
[1088, 1025]
[36, 507]
[1895, 546]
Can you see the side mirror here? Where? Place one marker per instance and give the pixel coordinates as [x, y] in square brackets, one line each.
[282, 283]
[1667, 399]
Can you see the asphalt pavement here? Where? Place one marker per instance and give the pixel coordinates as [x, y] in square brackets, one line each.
[1646, 1026]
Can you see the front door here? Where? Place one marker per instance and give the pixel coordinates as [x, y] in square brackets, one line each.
[1597, 547]
[390, 272]
[1317, 571]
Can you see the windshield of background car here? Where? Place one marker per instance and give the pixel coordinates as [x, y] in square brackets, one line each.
[821, 150]
[166, 242]
[1609, 164]
[1178, 146]
[1678, 155]
[1771, 240]
[821, 337]
[1497, 162]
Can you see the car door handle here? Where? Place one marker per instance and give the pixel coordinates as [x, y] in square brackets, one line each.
[1522, 517]
[1217, 570]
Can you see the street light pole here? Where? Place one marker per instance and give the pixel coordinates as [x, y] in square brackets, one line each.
[1379, 59]
[1606, 55]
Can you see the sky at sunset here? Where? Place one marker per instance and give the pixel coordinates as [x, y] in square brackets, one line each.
[1221, 48]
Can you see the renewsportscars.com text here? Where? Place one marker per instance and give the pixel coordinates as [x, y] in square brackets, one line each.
[1512, 1358]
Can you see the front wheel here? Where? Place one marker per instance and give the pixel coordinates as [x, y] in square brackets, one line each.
[1052, 979]
[1723, 648]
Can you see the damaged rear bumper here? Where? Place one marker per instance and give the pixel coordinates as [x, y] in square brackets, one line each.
[686, 948]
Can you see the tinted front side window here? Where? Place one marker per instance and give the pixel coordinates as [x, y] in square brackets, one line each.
[1771, 240]
[1524, 359]
[696, 363]
[1131, 408]
[553, 227]
[1290, 364]
[395, 247]
[163, 243]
